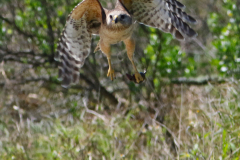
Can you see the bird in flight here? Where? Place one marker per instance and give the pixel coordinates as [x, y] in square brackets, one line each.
[113, 26]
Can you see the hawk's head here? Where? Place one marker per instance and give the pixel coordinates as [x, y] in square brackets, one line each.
[118, 20]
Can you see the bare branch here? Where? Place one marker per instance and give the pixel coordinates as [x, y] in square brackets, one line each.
[195, 81]
[27, 80]
[112, 99]
[19, 30]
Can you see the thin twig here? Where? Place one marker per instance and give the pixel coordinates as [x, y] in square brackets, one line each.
[96, 114]
[3, 73]
[172, 134]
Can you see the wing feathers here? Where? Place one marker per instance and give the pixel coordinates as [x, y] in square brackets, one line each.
[178, 4]
[75, 41]
[92, 7]
[174, 9]
[167, 15]
[73, 48]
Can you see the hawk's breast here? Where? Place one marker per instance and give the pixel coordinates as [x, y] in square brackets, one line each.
[115, 35]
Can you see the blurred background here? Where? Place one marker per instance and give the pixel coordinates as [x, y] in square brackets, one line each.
[188, 107]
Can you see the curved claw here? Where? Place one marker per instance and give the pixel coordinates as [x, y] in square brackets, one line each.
[134, 77]
[138, 77]
[111, 73]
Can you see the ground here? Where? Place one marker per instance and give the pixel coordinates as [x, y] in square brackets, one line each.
[196, 122]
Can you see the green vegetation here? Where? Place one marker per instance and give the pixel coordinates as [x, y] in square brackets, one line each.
[188, 108]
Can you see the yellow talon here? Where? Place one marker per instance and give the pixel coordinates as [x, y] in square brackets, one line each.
[111, 73]
[138, 77]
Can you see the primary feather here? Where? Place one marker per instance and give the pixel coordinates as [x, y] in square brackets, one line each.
[166, 15]
[75, 41]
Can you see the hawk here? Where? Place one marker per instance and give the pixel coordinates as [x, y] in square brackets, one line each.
[113, 26]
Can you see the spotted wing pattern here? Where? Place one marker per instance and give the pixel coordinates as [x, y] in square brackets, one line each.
[166, 15]
[75, 41]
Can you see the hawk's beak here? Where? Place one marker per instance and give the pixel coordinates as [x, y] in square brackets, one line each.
[115, 18]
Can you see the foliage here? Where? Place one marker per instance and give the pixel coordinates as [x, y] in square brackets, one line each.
[227, 38]
[188, 107]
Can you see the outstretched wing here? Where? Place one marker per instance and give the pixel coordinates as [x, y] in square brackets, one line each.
[167, 15]
[75, 41]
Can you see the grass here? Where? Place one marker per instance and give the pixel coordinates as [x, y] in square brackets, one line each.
[199, 122]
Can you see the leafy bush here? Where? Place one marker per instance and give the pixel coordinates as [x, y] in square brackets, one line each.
[226, 29]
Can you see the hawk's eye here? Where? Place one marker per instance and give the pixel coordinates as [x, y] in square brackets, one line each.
[122, 16]
[111, 17]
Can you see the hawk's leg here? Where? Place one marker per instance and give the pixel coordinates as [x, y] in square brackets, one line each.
[111, 72]
[106, 50]
[130, 46]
